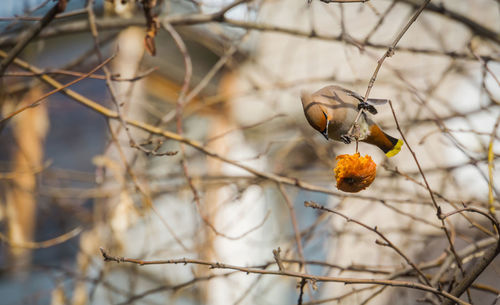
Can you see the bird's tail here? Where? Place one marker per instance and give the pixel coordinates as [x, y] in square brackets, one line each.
[389, 145]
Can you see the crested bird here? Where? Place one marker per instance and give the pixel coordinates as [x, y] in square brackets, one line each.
[332, 111]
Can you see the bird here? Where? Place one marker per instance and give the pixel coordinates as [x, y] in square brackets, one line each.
[332, 111]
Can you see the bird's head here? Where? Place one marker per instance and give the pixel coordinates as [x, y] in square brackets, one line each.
[315, 113]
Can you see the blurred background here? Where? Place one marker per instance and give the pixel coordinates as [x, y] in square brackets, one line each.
[227, 76]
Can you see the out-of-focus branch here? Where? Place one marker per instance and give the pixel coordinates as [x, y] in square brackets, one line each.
[475, 27]
[491, 157]
[38, 100]
[495, 223]
[174, 136]
[342, 1]
[59, 16]
[114, 23]
[114, 77]
[176, 287]
[42, 244]
[298, 239]
[167, 134]
[471, 221]
[31, 33]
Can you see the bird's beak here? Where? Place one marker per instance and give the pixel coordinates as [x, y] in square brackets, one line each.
[325, 132]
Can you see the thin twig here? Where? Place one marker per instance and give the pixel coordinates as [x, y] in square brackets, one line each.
[431, 193]
[295, 225]
[277, 258]
[301, 294]
[471, 276]
[388, 53]
[216, 265]
[474, 210]
[388, 243]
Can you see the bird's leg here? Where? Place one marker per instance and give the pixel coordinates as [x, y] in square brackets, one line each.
[364, 105]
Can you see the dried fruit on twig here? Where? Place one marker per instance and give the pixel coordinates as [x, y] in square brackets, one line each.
[354, 173]
[151, 24]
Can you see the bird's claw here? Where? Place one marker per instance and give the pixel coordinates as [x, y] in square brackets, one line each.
[346, 139]
[367, 107]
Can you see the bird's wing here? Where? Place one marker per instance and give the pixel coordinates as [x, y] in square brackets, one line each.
[353, 94]
[372, 101]
[378, 101]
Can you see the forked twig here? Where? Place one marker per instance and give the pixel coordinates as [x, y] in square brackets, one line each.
[388, 53]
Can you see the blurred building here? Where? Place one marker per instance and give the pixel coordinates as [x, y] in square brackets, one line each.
[248, 111]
